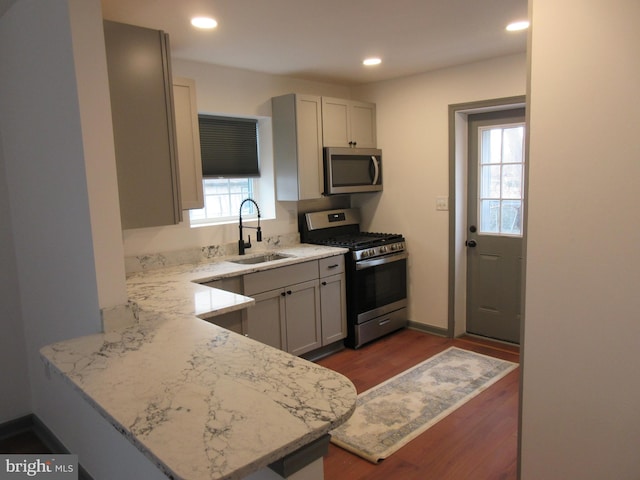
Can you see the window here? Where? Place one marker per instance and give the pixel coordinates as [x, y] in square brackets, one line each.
[222, 198]
[229, 149]
[229, 146]
[501, 179]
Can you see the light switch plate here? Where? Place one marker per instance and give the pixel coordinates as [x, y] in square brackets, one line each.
[442, 203]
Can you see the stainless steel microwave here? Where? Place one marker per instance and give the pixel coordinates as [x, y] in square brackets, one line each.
[352, 170]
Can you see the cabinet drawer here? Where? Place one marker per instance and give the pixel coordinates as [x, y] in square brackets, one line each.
[280, 277]
[331, 265]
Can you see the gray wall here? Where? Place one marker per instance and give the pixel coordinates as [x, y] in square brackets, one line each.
[15, 400]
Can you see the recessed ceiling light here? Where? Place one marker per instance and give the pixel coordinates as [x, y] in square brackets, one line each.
[517, 26]
[371, 61]
[206, 23]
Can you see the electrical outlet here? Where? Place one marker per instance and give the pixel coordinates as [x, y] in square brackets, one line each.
[442, 203]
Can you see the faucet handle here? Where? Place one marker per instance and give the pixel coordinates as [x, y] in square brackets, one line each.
[258, 235]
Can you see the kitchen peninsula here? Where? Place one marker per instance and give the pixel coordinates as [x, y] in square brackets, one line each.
[200, 401]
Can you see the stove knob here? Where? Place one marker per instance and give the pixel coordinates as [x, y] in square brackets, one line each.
[383, 249]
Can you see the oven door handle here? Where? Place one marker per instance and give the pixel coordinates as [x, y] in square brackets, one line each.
[374, 262]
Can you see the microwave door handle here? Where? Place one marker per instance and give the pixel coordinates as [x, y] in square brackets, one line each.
[376, 170]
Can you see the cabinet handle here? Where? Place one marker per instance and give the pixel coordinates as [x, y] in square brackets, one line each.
[282, 294]
[289, 292]
[324, 283]
[333, 266]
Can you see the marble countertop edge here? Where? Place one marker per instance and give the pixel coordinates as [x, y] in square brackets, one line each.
[173, 373]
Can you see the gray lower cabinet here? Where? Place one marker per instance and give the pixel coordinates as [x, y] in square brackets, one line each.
[231, 320]
[302, 317]
[333, 299]
[298, 308]
[286, 317]
[332, 309]
[263, 321]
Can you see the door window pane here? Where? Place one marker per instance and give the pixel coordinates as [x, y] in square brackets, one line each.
[489, 216]
[513, 145]
[490, 178]
[512, 181]
[501, 179]
[511, 217]
[491, 146]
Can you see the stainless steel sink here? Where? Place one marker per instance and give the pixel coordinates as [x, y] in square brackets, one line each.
[267, 257]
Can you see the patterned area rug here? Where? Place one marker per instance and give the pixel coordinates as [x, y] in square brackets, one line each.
[393, 413]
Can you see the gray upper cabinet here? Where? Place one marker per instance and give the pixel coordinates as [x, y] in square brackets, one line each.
[348, 123]
[188, 143]
[302, 126]
[138, 63]
[297, 146]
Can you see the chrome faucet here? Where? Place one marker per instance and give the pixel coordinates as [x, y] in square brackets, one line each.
[242, 245]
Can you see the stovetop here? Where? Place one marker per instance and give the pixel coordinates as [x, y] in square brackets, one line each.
[341, 228]
[360, 240]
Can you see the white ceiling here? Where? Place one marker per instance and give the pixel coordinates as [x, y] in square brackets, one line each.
[326, 40]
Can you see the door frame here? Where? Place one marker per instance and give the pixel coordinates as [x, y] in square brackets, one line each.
[458, 163]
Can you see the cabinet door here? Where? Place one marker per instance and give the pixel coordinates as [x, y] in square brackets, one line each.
[188, 143]
[297, 146]
[302, 318]
[143, 125]
[310, 166]
[333, 310]
[335, 122]
[348, 123]
[363, 124]
[262, 321]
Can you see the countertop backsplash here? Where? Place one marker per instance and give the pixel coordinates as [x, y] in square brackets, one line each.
[195, 255]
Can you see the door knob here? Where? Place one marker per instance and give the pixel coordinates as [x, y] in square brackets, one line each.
[471, 243]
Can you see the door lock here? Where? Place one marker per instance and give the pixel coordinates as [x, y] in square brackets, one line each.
[471, 243]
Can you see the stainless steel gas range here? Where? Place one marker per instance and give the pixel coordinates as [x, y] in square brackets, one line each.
[376, 272]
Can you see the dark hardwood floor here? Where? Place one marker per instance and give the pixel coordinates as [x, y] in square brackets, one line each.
[477, 441]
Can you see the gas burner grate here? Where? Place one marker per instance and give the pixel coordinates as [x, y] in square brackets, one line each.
[361, 240]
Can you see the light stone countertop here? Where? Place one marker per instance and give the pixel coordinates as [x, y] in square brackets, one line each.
[198, 400]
